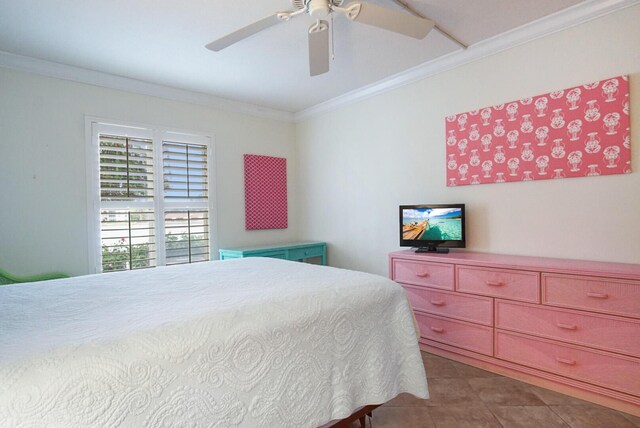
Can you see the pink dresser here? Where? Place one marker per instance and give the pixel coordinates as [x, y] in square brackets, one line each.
[568, 325]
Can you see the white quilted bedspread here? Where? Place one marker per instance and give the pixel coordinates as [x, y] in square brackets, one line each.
[240, 343]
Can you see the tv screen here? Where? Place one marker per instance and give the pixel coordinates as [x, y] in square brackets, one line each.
[432, 227]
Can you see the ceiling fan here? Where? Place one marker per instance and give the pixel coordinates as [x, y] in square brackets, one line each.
[357, 11]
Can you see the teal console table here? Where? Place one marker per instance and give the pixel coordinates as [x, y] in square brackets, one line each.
[299, 251]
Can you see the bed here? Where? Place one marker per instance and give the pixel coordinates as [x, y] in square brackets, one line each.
[252, 342]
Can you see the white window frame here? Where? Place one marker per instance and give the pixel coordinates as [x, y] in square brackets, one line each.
[95, 126]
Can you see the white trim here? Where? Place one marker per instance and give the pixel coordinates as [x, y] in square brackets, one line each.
[213, 201]
[148, 126]
[182, 137]
[93, 199]
[570, 17]
[127, 205]
[111, 81]
[131, 131]
[186, 204]
[158, 200]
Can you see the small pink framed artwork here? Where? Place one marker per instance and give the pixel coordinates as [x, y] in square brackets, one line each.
[576, 132]
[265, 192]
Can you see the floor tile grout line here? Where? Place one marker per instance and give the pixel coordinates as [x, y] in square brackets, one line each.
[560, 416]
[495, 417]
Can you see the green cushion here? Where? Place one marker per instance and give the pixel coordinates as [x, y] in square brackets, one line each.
[7, 278]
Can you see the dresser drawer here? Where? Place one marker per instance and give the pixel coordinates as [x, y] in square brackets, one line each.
[464, 335]
[606, 295]
[601, 368]
[605, 332]
[453, 305]
[271, 254]
[422, 273]
[305, 253]
[505, 283]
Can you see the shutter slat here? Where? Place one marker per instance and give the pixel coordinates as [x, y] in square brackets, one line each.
[192, 174]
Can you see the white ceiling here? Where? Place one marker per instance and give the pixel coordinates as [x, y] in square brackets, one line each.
[162, 42]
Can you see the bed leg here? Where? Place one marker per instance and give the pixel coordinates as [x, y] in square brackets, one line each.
[360, 416]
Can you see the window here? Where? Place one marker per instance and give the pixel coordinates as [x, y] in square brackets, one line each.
[150, 200]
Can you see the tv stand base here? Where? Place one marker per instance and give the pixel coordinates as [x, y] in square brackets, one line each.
[432, 250]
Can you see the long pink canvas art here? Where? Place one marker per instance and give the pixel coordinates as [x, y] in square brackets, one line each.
[575, 132]
[265, 192]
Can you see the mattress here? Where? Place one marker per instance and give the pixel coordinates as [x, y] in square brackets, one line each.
[252, 342]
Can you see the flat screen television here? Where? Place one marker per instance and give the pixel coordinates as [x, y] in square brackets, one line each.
[432, 228]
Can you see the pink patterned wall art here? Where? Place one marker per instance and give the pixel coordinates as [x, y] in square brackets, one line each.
[576, 132]
[265, 192]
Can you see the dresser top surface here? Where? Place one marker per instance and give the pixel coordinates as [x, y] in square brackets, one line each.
[547, 264]
[282, 245]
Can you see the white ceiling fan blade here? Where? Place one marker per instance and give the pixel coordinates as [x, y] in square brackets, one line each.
[389, 19]
[319, 48]
[243, 33]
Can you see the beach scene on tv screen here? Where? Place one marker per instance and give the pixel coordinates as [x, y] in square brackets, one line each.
[432, 224]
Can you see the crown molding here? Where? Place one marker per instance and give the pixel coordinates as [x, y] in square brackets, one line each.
[106, 80]
[562, 20]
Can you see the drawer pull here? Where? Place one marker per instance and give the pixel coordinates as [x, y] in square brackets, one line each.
[494, 283]
[422, 274]
[437, 329]
[597, 295]
[566, 361]
[567, 326]
[437, 302]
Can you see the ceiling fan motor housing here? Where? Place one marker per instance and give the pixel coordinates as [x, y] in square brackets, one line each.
[319, 9]
[302, 4]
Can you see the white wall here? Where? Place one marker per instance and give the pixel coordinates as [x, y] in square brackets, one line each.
[43, 214]
[358, 163]
[350, 168]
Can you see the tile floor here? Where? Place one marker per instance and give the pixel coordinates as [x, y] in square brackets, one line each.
[466, 397]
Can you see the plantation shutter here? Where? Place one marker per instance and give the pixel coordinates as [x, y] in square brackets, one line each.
[127, 220]
[185, 178]
[185, 171]
[127, 239]
[186, 236]
[126, 168]
[148, 197]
